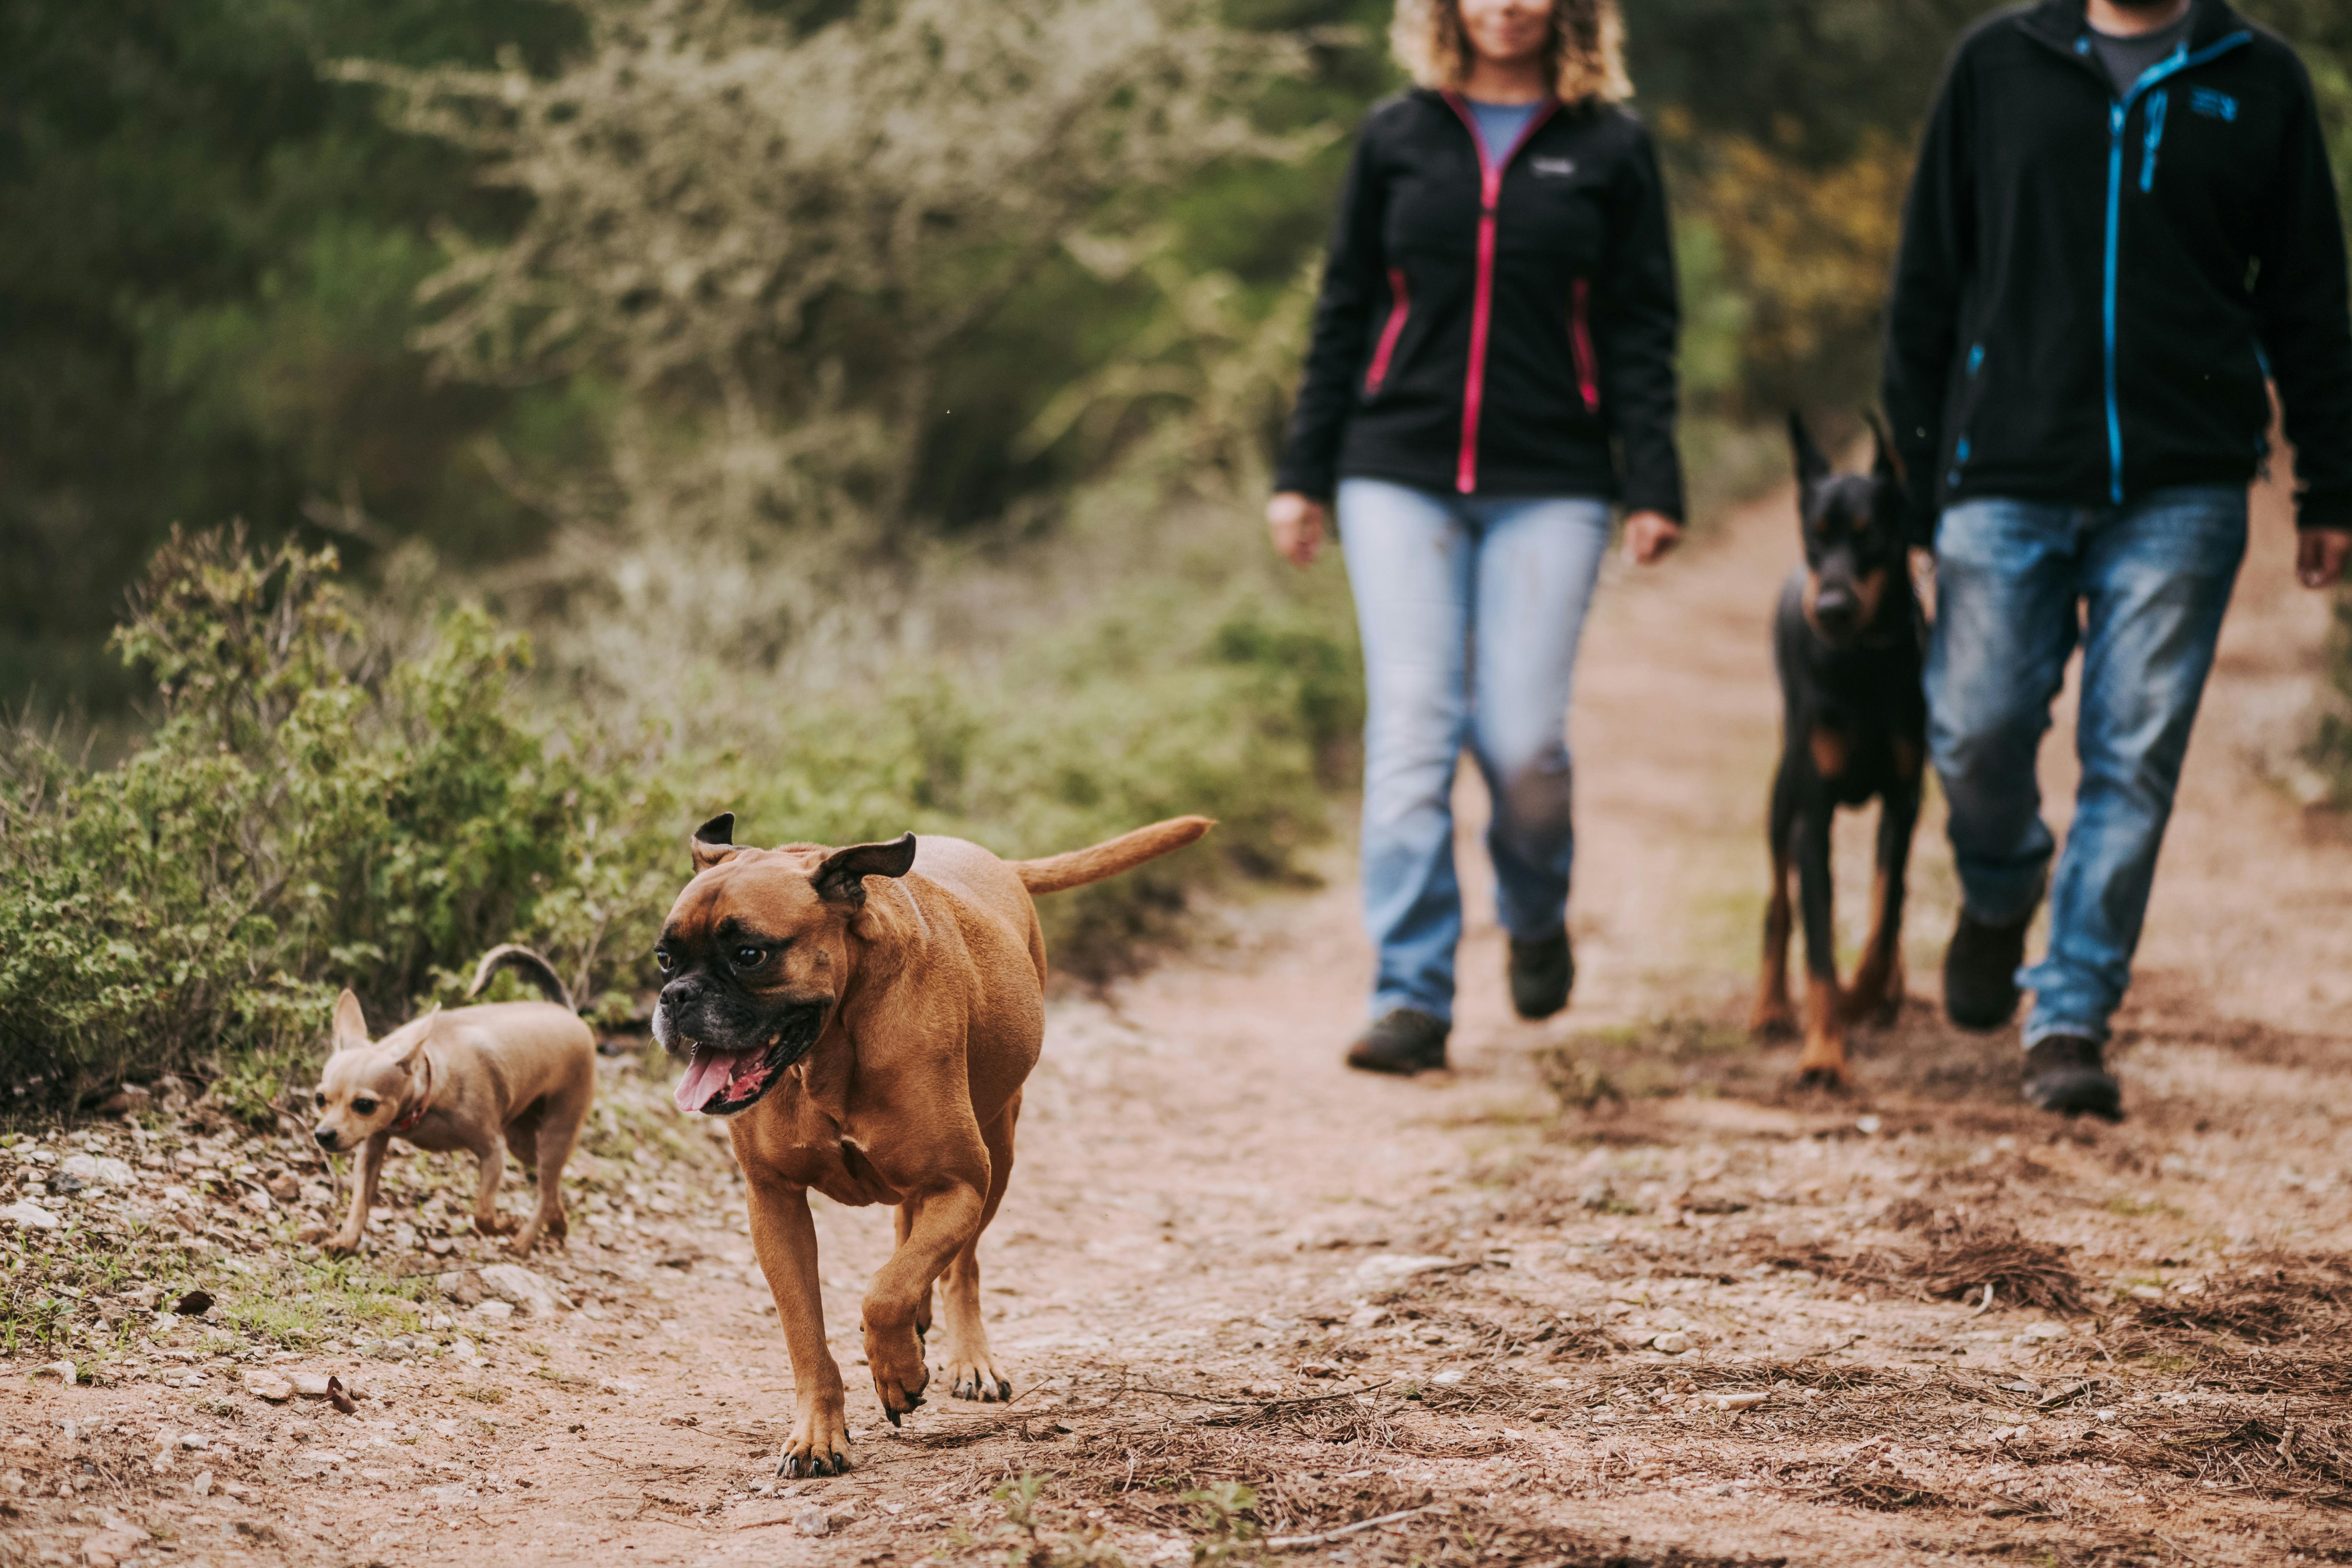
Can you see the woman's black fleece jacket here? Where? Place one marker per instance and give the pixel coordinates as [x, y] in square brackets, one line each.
[1496, 323]
[2095, 285]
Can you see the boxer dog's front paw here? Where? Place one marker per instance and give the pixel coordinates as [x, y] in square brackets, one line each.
[896, 1359]
[819, 1445]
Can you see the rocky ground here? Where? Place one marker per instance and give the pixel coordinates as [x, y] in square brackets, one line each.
[1609, 1293]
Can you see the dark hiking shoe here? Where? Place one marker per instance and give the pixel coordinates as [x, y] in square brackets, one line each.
[1403, 1041]
[2068, 1074]
[1542, 972]
[1980, 971]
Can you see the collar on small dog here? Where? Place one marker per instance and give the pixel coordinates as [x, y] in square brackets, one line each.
[424, 1099]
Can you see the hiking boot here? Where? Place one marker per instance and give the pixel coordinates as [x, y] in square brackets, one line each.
[2068, 1074]
[1542, 972]
[1404, 1041]
[1980, 971]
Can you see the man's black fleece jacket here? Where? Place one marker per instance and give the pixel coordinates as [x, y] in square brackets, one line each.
[1495, 322]
[2095, 285]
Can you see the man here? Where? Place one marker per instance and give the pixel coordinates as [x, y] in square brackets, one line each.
[2122, 226]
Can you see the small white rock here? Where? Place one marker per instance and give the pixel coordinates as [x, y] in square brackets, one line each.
[202, 1485]
[813, 1521]
[520, 1288]
[29, 1217]
[1736, 1401]
[2147, 1292]
[495, 1312]
[1673, 1343]
[263, 1383]
[1446, 1379]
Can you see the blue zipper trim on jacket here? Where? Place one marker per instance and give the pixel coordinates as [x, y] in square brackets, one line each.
[2119, 117]
[2159, 101]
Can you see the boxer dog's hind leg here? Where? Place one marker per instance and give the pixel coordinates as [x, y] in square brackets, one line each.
[941, 1222]
[785, 1240]
[971, 1369]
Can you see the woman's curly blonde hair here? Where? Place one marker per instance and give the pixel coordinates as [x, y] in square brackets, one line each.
[1586, 50]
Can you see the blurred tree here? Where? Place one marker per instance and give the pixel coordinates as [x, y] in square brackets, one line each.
[204, 297]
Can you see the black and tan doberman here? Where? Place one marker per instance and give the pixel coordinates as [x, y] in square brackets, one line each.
[1848, 640]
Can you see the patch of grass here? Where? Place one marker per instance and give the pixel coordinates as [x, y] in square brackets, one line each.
[484, 1393]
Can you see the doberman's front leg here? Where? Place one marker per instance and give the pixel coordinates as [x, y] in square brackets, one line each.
[785, 1240]
[1877, 993]
[1823, 1064]
[1773, 1017]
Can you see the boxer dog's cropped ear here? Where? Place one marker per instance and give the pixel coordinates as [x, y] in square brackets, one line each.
[841, 879]
[714, 841]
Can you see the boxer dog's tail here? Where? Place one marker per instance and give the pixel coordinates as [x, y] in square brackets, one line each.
[1080, 867]
[528, 964]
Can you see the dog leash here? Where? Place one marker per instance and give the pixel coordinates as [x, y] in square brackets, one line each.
[424, 1101]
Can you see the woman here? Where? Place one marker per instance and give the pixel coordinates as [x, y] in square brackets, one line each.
[1492, 365]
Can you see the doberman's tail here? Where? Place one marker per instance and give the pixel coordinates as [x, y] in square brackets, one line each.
[1080, 867]
[528, 964]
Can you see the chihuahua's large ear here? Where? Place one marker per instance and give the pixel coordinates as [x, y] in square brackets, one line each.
[1889, 465]
[714, 841]
[1813, 467]
[350, 1023]
[841, 878]
[423, 1027]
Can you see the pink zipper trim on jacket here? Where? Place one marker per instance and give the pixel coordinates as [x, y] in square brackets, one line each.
[1588, 367]
[1482, 310]
[1401, 309]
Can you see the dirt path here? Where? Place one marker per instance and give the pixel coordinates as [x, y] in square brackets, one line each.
[1216, 1234]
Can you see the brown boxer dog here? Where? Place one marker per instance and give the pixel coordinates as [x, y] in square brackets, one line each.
[867, 1017]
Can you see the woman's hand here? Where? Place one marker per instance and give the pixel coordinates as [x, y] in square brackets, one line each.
[1650, 537]
[2320, 554]
[1295, 521]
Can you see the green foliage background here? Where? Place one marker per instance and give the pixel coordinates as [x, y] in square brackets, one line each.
[354, 771]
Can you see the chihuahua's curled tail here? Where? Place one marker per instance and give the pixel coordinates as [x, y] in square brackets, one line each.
[1080, 867]
[528, 964]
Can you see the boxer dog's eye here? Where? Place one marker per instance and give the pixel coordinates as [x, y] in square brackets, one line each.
[750, 957]
[663, 960]
[364, 1107]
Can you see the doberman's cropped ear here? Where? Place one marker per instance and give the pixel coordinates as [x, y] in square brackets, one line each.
[1813, 467]
[714, 841]
[350, 1023]
[841, 879]
[1889, 465]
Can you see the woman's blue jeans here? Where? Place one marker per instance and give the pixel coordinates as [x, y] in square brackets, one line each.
[1470, 610]
[2142, 588]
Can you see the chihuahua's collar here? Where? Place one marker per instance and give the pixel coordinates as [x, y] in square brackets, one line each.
[424, 1099]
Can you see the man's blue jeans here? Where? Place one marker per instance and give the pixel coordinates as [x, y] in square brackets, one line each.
[1470, 610]
[2142, 588]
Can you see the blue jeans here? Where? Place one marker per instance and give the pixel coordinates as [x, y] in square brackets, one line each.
[1434, 577]
[2142, 588]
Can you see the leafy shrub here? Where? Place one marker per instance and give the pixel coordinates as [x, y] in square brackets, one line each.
[314, 809]
[307, 813]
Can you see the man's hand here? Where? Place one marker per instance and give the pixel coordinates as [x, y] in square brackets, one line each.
[1650, 537]
[2320, 554]
[1295, 521]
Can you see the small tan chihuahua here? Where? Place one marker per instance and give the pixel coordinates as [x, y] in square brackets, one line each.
[504, 1074]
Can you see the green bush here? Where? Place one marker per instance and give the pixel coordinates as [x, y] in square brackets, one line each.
[314, 808]
[306, 814]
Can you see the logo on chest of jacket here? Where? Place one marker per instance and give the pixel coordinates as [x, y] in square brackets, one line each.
[2213, 104]
[1553, 168]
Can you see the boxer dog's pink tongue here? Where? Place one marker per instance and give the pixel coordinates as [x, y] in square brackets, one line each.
[710, 1072]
